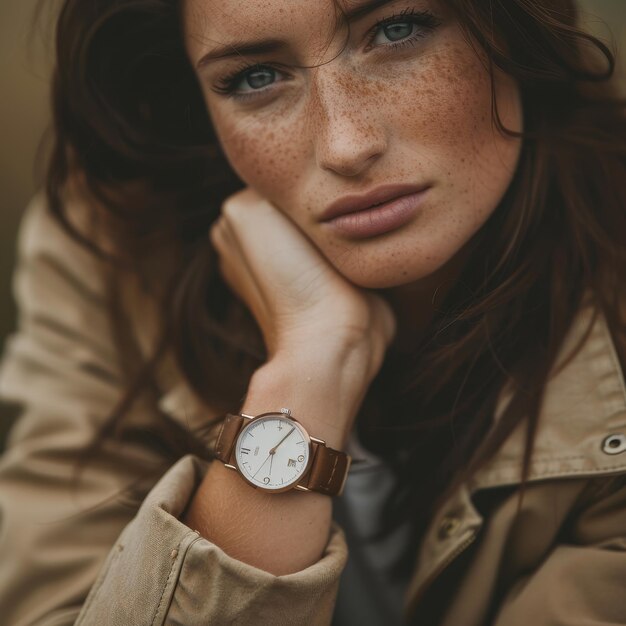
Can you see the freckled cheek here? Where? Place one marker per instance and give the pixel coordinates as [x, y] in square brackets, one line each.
[444, 103]
[447, 114]
[266, 156]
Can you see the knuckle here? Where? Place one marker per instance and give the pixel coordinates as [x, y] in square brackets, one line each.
[237, 205]
[232, 207]
[228, 206]
[215, 234]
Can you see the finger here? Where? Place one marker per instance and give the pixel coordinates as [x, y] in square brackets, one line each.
[240, 255]
[236, 271]
[254, 219]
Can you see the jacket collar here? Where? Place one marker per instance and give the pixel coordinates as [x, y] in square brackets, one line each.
[582, 420]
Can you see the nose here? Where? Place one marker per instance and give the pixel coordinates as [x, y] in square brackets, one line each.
[346, 125]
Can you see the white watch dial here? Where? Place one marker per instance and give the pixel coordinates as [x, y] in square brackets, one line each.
[272, 452]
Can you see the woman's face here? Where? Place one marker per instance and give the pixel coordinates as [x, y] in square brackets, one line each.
[407, 101]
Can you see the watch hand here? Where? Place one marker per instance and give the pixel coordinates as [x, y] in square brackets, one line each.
[273, 450]
[262, 464]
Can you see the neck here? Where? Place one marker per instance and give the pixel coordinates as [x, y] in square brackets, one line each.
[416, 303]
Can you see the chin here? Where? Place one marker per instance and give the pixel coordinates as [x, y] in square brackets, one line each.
[392, 275]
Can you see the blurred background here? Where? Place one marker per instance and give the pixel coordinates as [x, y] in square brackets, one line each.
[26, 57]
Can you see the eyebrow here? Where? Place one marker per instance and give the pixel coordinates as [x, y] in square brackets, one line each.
[265, 46]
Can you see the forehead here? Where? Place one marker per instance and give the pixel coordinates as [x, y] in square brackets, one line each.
[313, 24]
[219, 19]
[229, 16]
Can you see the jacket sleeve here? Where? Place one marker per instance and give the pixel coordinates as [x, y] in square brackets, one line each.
[109, 548]
[583, 579]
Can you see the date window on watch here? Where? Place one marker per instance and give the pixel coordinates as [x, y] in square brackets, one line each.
[292, 462]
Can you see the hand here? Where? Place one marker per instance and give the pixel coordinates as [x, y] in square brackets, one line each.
[296, 296]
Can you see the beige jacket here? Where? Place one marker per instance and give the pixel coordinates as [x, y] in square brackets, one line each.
[91, 557]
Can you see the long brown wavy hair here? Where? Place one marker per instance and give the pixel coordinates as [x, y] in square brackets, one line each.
[132, 133]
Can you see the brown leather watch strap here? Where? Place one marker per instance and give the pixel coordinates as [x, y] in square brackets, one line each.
[329, 471]
[228, 434]
[329, 467]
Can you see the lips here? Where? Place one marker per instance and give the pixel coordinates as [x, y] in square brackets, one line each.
[379, 195]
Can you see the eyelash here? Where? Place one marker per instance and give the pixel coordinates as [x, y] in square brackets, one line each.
[425, 20]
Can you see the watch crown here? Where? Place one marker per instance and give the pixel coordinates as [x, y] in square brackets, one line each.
[285, 410]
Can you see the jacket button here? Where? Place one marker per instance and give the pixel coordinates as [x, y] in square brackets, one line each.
[614, 444]
[448, 526]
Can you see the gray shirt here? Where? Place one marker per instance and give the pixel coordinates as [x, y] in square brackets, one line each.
[366, 595]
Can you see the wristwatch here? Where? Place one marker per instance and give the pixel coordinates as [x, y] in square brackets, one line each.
[275, 453]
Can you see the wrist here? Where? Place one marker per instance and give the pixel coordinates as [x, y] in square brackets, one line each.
[323, 394]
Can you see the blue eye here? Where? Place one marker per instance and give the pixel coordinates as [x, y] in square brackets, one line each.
[404, 28]
[259, 78]
[247, 80]
[398, 31]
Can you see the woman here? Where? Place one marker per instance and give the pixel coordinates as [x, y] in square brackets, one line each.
[211, 248]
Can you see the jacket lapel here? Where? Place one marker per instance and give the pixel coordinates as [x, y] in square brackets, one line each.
[582, 416]
[581, 432]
